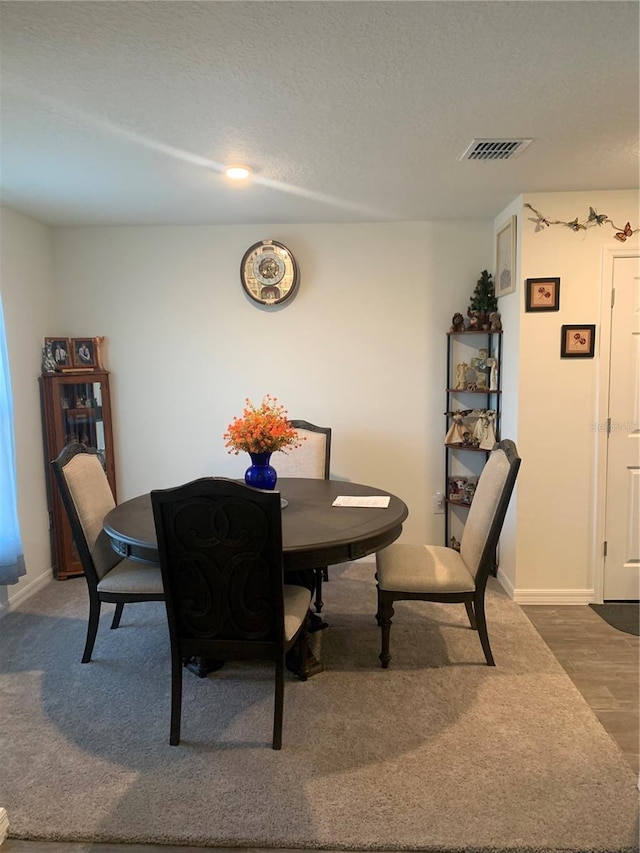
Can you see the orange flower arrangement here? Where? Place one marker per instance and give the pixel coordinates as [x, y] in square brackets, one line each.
[261, 430]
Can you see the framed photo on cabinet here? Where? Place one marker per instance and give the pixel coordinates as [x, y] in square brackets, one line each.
[542, 294]
[61, 351]
[578, 341]
[84, 352]
[505, 277]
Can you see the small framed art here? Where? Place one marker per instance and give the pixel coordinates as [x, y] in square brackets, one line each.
[84, 352]
[578, 341]
[61, 351]
[505, 277]
[542, 294]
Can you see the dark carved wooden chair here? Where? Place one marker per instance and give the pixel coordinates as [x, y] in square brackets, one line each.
[438, 573]
[220, 551]
[312, 459]
[87, 498]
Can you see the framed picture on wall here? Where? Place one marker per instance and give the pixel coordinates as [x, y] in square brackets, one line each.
[61, 351]
[542, 294]
[578, 341]
[505, 277]
[84, 352]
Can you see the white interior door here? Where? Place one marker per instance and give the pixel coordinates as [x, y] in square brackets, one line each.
[622, 519]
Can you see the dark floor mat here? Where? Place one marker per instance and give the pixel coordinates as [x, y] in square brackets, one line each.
[625, 616]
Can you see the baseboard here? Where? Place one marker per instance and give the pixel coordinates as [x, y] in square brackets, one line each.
[505, 583]
[25, 592]
[545, 596]
[4, 824]
[554, 596]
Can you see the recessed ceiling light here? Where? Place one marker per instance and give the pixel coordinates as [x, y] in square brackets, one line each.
[237, 173]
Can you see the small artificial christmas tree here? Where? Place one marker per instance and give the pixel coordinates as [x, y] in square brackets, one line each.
[483, 301]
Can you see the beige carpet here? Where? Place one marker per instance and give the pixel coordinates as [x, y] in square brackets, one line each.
[440, 752]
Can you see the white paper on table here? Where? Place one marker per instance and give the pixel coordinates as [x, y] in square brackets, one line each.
[354, 500]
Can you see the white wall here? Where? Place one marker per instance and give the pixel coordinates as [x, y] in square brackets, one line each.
[26, 283]
[361, 348]
[558, 397]
[509, 308]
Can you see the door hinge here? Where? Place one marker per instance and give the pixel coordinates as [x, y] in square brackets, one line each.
[605, 547]
[608, 426]
[613, 296]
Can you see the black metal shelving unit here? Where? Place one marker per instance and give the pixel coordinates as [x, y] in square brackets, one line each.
[459, 344]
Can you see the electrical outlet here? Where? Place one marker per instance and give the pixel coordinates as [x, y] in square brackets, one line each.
[438, 503]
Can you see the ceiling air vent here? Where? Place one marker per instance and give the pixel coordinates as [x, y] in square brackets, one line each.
[495, 149]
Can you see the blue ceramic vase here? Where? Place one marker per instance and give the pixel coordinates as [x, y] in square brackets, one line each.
[260, 474]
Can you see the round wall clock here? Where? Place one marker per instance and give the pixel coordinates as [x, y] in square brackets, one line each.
[269, 273]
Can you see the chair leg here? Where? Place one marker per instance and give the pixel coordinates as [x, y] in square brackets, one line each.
[278, 711]
[118, 614]
[472, 616]
[482, 628]
[176, 698]
[92, 627]
[325, 574]
[385, 614]
[319, 573]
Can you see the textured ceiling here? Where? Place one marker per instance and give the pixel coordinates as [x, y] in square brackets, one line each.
[125, 112]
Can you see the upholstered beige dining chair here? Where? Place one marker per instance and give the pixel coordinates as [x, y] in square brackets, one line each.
[438, 573]
[220, 550]
[312, 459]
[87, 498]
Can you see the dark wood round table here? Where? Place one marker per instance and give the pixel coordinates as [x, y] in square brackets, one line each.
[314, 533]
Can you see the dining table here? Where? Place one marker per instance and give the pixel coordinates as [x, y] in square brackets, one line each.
[315, 531]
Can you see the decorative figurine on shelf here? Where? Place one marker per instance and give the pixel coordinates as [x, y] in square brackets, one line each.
[455, 434]
[495, 322]
[489, 437]
[480, 369]
[467, 438]
[456, 489]
[479, 427]
[461, 376]
[473, 324]
[457, 323]
[48, 361]
[483, 300]
[492, 363]
[469, 491]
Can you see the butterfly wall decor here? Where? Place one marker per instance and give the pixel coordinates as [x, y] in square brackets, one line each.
[592, 220]
[622, 235]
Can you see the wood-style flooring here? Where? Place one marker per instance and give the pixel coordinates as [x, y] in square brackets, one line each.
[602, 662]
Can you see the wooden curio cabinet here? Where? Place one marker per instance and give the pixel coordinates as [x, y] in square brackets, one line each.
[76, 406]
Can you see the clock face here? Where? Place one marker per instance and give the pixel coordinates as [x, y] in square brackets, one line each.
[269, 273]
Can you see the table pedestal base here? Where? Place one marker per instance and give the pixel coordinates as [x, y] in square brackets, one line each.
[316, 623]
[202, 666]
[303, 668]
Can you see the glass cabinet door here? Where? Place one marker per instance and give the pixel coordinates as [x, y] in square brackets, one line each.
[81, 414]
[75, 407]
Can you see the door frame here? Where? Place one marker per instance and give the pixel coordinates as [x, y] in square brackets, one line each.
[609, 254]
